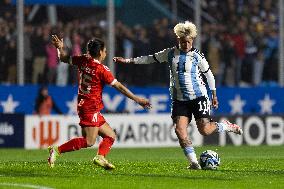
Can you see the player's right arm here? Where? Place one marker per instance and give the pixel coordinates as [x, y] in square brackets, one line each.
[159, 57]
[60, 47]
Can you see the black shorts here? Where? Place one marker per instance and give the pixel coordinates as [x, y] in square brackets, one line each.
[199, 107]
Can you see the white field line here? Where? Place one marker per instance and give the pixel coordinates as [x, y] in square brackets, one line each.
[25, 185]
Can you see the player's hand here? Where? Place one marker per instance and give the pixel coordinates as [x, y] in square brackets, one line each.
[144, 103]
[215, 102]
[119, 60]
[57, 42]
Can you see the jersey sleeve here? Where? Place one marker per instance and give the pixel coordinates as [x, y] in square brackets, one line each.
[205, 69]
[159, 57]
[204, 66]
[106, 76]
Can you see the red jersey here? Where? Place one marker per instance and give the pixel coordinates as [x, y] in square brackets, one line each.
[93, 77]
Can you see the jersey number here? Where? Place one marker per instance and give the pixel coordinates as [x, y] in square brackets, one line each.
[204, 107]
[85, 86]
[95, 117]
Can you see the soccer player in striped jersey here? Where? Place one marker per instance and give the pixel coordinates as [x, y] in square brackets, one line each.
[93, 77]
[188, 91]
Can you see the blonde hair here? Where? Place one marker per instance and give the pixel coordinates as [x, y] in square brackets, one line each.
[185, 29]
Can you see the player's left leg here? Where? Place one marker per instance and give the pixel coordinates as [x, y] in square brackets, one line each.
[88, 139]
[90, 127]
[108, 135]
[227, 126]
[205, 125]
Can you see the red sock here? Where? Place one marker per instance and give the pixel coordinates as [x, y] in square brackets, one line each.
[105, 145]
[73, 144]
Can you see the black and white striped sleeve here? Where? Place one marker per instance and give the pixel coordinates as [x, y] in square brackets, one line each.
[205, 69]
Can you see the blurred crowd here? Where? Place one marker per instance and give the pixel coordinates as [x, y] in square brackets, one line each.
[241, 46]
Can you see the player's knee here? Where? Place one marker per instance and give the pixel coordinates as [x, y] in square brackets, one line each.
[203, 126]
[112, 135]
[204, 131]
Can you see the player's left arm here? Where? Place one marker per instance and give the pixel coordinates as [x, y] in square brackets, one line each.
[58, 43]
[109, 79]
[141, 101]
[159, 57]
[205, 69]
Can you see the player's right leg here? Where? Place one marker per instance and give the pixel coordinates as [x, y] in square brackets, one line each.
[181, 115]
[108, 135]
[185, 142]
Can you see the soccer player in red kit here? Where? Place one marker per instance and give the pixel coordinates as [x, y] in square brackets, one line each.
[93, 77]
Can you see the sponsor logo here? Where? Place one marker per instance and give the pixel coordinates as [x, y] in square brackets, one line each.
[46, 133]
[115, 103]
[143, 132]
[258, 130]
[6, 129]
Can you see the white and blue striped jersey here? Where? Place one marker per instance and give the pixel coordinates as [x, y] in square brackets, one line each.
[185, 72]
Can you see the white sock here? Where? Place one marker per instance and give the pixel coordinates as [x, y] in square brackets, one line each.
[190, 154]
[221, 127]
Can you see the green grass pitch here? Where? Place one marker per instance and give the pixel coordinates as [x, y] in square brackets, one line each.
[158, 168]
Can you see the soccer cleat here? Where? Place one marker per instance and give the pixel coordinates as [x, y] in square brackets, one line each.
[103, 162]
[231, 127]
[53, 154]
[194, 166]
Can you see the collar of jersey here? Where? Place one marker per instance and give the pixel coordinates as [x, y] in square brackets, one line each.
[96, 61]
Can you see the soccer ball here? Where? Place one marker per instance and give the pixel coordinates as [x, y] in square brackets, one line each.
[209, 160]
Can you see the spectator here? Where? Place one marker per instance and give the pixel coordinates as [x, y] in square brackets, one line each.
[3, 44]
[11, 62]
[248, 61]
[44, 103]
[38, 44]
[28, 54]
[228, 59]
[51, 63]
[270, 54]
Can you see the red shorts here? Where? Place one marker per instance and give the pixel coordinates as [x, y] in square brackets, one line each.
[95, 119]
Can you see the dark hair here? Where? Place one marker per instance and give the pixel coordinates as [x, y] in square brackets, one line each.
[94, 47]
